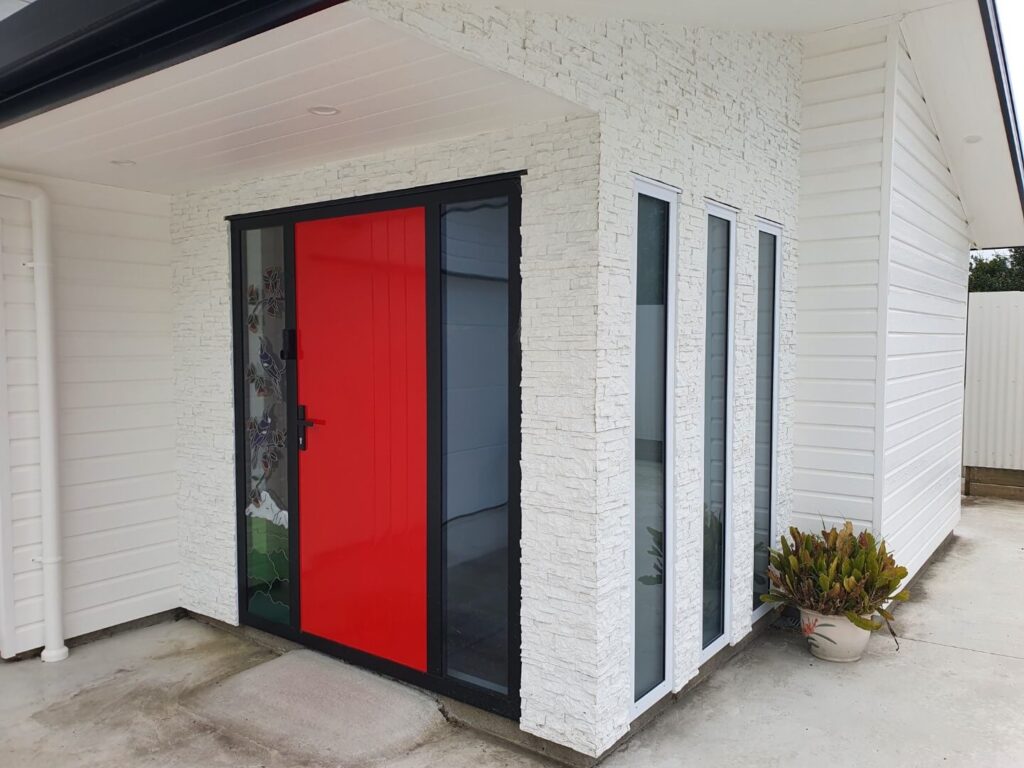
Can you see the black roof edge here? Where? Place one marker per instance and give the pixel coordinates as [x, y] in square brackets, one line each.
[996, 50]
[53, 52]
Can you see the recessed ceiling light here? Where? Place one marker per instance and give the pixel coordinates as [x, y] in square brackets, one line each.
[323, 111]
[122, 163]
[972, 139]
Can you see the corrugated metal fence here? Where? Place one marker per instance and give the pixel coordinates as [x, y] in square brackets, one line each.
[994, 400]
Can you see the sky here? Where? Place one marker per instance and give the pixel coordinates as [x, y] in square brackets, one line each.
[1011, 21]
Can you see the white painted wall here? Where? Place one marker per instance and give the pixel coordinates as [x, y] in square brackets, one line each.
[994, 408]
[882, 299]
[929, 253]
[112, 250]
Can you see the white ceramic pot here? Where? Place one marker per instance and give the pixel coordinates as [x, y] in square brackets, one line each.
[833, 638]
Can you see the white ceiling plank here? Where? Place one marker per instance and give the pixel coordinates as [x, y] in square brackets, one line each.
[186, 84]
[260, 103]
[241, 110]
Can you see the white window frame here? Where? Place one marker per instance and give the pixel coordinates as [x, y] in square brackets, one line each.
[773, 228]
[722, 211]
[669, 194]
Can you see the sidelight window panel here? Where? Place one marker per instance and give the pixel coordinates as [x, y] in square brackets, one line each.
[651, 453]
[475, 435]
[716, 428]
[765, 410]
[265, 398]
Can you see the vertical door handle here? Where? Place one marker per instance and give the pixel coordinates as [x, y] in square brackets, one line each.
[302, 424]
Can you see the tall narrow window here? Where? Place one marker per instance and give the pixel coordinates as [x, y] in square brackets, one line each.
[767, 250]
[651, 529]
[265, 404]
[475, 427]
[716, 429]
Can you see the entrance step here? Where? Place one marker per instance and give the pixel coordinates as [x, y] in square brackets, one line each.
[306, 704]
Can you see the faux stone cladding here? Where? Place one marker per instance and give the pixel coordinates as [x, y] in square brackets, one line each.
[715, 114]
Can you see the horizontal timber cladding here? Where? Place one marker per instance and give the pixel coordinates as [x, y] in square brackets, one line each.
[844, 77]
[929, 251]
[117, 446]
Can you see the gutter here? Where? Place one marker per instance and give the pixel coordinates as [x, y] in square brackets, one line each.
[46, 362]
[997, 53]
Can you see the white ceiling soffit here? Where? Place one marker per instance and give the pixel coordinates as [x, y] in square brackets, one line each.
[951, 57]
[244, 110]
[773, 15]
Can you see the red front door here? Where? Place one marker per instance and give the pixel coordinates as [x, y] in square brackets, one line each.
[360, 304]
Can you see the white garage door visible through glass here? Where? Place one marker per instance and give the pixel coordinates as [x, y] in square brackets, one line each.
[475, 486]
[652, 442]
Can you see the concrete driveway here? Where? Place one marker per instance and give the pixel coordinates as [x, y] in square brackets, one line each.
[187, 694]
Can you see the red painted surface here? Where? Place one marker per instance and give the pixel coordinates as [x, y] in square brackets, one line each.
[360, 300]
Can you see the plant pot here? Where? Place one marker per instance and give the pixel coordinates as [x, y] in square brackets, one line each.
[833, 638]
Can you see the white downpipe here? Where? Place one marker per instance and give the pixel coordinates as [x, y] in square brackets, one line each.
[54, 648]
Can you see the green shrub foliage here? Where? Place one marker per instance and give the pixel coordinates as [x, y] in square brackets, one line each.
[837, 574]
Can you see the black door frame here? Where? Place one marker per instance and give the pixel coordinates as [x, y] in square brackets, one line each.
[431, 198]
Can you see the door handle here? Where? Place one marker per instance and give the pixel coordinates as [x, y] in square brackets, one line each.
[302, 424]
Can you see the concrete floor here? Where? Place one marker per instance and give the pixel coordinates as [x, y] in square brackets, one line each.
[186, 694]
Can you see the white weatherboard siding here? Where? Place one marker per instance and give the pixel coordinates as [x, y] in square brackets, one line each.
[929, 252]
[559, 339]
[844, 100]
[112, 250]
[882, 299]
[994, 408]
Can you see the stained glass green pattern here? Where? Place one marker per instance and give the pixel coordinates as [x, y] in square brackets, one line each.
[266, 515]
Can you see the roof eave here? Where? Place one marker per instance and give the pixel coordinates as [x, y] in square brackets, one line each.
[996, 49]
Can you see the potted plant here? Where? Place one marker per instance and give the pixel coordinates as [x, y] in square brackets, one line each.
[839, 581]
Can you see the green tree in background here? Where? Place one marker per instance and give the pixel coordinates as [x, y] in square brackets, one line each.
[998, 272]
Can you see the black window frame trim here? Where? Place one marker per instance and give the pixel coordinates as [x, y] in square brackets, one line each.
[430, 197]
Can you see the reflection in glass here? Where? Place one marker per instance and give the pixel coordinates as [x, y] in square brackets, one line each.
[266, 513]
[649, 520]
[764, 411]
[715, 414]
[475, 411]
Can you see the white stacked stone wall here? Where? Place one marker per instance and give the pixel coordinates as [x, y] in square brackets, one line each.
[714, 114]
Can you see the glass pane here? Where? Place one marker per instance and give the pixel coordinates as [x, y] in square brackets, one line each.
[649, 519]
[266, 514]
[763, 416]
[715, 414]
[475, 407]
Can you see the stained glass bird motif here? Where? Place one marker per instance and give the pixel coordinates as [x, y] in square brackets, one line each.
[271, 363]
[260, 432]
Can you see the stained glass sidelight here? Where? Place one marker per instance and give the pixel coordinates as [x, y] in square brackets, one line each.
[266, 511]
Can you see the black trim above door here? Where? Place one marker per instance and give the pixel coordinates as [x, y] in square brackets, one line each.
[432, 199]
